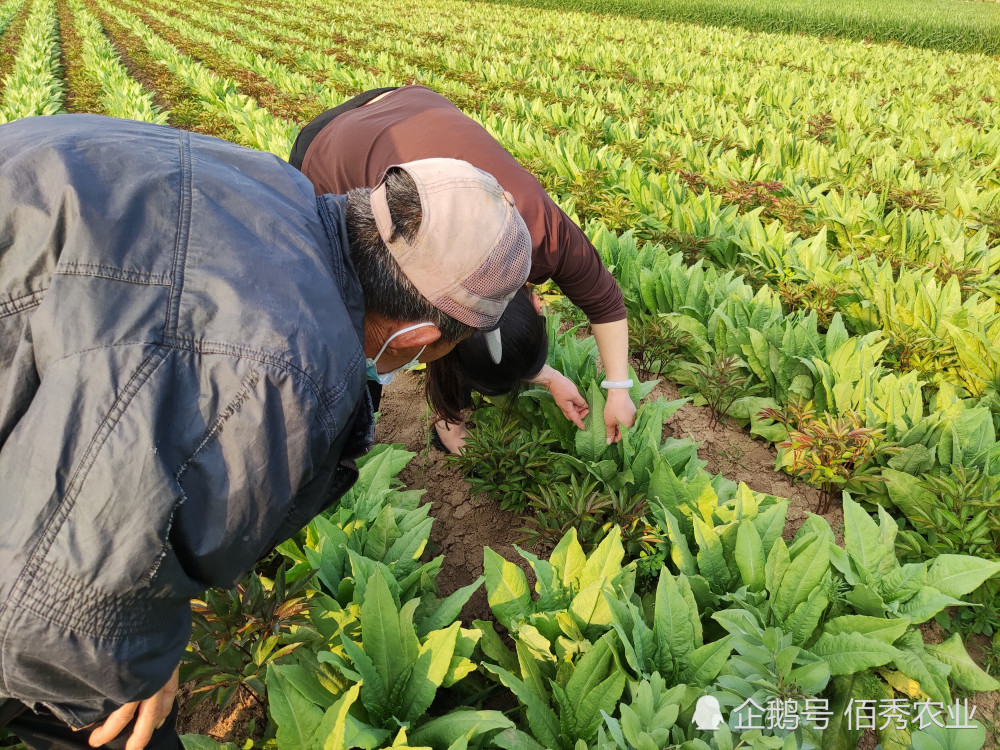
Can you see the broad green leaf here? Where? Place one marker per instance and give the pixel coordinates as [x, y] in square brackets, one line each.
[680, 553]
[449, 608]
[340, 730]
[506, 589]
[444, 730]
[914, 460]
[802, 622]
[568, 558]
[596, 684]
[429, 670]
[551, 594]
[770, 523]
[887, 631]
[296, 716]
[674, 629]
[711, 556]
[307, 683]
[964, 671]
[849, 653]
[929, 673]
[382, 534]
[804, 574]
[926, 603]
[202, 742]
[812, 678]
[515, 739]
[636, 637]
[604, 563]
[541, 718]
[903, 582]
[750, 555]
[864, 540]
[374, 693]
[705, 662]
[589, 606]
[776, 565]
[936, 737]
[493, 647]
[866, 601]
[592, 441]
[958, 575]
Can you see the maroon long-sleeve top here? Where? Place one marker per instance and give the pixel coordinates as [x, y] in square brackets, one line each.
[413, 122]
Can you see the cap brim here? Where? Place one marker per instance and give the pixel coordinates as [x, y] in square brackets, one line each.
[494, 345]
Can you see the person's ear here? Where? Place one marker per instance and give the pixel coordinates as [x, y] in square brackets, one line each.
[418, 337]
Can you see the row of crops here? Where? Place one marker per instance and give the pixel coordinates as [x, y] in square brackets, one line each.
[807, 233]
[937, 24]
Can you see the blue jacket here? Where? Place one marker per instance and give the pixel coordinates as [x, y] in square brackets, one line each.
[181, 388]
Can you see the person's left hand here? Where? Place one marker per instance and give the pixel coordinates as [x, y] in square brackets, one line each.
[618, 410]
[568, 398]
[150, 715]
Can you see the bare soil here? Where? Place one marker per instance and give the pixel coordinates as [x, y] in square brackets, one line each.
[244, 717]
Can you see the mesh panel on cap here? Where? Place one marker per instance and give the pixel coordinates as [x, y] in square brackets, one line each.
[463, 314]
[506, 268]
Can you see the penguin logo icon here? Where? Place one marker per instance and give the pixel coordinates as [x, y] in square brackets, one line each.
[707, 713]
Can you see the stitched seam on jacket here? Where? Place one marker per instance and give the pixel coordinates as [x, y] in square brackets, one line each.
[24, 581]
[326, 220]
[181, 240]
[14, 305]
[115, 274]
[248, 384]
[81, 609]
[324, 397]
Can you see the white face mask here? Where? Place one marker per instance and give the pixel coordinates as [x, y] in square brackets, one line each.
[371, 365]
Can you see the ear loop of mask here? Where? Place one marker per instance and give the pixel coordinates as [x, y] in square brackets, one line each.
[371, 365]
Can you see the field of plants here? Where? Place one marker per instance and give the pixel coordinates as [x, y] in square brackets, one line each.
[807, 233]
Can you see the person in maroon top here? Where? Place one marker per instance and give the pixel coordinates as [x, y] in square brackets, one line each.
[352, 145]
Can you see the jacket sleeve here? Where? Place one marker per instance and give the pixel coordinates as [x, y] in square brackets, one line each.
[139, 475]
[579, 272]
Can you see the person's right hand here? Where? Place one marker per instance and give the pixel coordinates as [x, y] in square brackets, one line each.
[568, 398]
[150, 715]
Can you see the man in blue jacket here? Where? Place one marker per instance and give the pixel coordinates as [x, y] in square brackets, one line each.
[185, 335]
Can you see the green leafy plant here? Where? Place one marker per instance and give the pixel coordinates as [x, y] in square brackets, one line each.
[237, 633]
[646, 721]
[375, 680]
[564, 669]
[504, 461]
[656, 343]
[721, 383]
[812, 296]
[955, 511]
[835, 453]
[584, 506]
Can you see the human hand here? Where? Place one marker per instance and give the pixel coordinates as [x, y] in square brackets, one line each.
[618, 410]
[568, 398]
[150, 715]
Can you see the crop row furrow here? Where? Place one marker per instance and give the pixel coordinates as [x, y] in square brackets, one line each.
[275, 87]
[408, 59]
[8, 11]
[253, 125]
[716, 116]
[98, 81]
[34, 84]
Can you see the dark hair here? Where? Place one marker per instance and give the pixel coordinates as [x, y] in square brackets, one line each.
[387, 290]
[469, 366]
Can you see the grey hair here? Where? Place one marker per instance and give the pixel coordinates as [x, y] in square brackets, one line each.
[387, 290]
